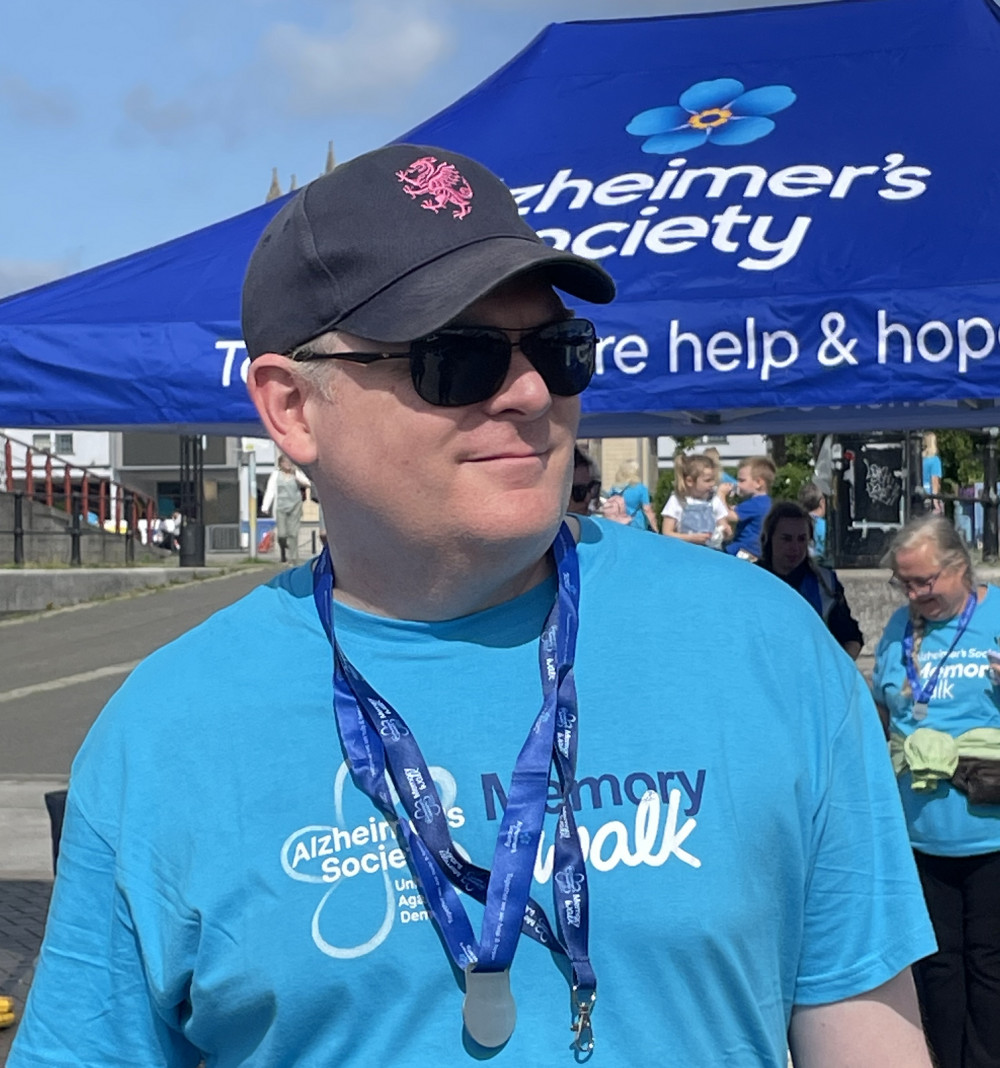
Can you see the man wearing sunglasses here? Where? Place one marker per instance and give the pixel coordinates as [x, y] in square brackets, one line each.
[586, 485]
[466, 741]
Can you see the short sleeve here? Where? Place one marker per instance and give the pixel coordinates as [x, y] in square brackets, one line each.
[672, 509]
[90, 1004]
[864, 919]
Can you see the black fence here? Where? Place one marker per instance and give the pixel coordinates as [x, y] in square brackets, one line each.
[878, 486]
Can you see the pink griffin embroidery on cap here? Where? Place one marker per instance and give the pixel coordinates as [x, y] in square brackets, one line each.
[441, 183]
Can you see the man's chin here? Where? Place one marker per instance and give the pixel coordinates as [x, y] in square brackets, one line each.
[519, 516]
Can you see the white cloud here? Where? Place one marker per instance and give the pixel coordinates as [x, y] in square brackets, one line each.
[17, 275]
[387, 50]
[25, 101]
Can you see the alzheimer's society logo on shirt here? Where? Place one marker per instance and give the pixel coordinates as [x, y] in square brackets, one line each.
[337, 856]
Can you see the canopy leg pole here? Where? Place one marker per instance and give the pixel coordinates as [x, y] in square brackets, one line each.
[990, 547]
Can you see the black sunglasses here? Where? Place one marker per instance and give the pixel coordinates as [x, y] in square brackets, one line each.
[580, 490]
[462, 365]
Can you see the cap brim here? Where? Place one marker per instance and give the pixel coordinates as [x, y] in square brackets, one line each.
[435, 293]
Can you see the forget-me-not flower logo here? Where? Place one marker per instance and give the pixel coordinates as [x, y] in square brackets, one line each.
[719, 111]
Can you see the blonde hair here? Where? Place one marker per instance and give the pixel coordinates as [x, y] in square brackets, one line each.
[761, 467]
[690, 467]
[627, 473]
[930, 444]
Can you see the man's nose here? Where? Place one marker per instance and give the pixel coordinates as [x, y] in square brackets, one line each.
[523, 387]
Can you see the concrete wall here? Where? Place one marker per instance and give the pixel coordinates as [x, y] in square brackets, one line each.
[47, 541]
[609, 453]
[28, 590]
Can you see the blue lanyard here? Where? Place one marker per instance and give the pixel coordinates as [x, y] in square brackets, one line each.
[922, 693]
[376, 739]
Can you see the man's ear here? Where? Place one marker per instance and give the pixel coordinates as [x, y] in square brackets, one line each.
[280, 398]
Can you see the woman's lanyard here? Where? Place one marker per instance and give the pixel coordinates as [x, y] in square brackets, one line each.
[922, 693]
[376, 739]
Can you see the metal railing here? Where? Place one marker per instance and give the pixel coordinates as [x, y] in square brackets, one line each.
[90, 501]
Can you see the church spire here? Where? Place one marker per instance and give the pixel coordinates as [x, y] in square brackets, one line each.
[275, 191]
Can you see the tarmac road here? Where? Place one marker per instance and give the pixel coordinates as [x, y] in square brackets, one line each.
[58, 669]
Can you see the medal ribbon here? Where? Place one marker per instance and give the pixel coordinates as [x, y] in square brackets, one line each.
[377, 739]
[922, 693]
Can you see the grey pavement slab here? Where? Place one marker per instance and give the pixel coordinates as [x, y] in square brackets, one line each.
[23, 907]
[25, 836]
[25, 887]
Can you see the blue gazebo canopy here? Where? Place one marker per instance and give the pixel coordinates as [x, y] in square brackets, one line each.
[799, 205]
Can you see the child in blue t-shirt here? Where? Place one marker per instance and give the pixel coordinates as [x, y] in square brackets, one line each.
[753, 480]
[811, 498]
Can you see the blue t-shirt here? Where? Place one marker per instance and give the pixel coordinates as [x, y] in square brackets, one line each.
[224, 887]
[819, 537]
[751, 514]
[635, 496]
[941, 821]
[931, 467]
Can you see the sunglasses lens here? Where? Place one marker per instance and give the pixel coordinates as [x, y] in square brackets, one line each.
[467, 365]
[563, 354]
[579, 493]
[454, 368]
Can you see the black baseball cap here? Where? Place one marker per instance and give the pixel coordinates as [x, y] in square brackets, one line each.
[393, 245]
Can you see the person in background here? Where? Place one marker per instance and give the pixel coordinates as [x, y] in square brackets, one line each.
[586, 487]
[239, 882]
[784, 539]
[932, 471]
[753, 481]
[935, 683]
[638, 505]
[169, 531]
[320, 522]
[694, 512]
[713, 454]
[812, 499]
[283, 493]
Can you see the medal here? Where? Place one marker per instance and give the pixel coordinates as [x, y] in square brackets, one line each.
[488, 1011]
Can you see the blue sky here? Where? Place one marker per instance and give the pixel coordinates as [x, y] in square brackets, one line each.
[126, 123]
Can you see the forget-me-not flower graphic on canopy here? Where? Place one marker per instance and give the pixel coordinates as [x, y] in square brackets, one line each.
[719, 111]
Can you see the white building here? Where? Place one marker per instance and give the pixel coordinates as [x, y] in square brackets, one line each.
[733, 448]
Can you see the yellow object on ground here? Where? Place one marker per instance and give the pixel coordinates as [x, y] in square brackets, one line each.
[7, 1016]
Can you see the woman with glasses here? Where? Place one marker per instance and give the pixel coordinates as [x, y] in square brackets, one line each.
[936, 685]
